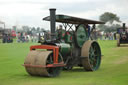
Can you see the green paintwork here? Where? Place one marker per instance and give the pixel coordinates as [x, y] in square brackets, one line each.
[68, 38]
[59, 17]
[73, 20]
[64, 48]
[81, 35]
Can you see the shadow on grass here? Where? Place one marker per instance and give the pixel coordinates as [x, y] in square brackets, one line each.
[123, 45]
[75, 70]
[24, 75]
[35, 76]
[70, 71]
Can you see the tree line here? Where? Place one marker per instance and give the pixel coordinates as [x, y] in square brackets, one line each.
[112, 22]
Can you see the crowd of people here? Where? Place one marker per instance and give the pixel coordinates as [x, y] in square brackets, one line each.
[7, 38]
[107, 36]
[22, 37]
[103, 36]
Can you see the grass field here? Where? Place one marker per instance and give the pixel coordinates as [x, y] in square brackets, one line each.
[113, 70]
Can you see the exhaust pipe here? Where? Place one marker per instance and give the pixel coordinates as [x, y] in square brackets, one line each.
[53, 23]
[123, 26]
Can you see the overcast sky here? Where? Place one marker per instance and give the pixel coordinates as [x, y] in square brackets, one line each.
[31, 12]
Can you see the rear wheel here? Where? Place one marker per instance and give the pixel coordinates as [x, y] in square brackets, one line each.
[91, 55]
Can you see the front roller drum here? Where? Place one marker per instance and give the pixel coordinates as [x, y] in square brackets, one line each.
[39, 61]
[91, 55]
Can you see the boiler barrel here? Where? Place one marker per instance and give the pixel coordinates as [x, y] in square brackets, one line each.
[64, 48]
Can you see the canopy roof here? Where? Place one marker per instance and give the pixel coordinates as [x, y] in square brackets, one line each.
[73, 20]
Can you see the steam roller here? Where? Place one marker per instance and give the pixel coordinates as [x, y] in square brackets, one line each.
[122, 35]
[64, 48]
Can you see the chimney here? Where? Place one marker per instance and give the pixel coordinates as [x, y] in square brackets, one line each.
[53, 23]
[123, 26]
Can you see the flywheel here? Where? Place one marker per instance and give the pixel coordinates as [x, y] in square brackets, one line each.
[42, 58]
[91, 55]
[81, 35]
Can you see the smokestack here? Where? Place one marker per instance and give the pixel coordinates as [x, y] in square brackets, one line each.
[123, 25]
[52, 22]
